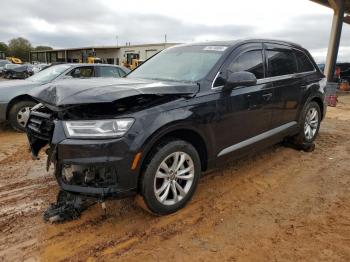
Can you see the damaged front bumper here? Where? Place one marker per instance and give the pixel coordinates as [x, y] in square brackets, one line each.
[98, 168]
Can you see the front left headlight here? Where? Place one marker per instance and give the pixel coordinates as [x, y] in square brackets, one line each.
[106, 128]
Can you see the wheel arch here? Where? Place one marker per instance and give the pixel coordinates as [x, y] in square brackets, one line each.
[187, 134]
[320, 104]
[15, 100]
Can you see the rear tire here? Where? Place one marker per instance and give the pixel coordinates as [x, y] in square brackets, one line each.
[170, 177]
[19, 114]
[310, 121]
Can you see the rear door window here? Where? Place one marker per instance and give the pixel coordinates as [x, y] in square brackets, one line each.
[251, 61]
[281, 62]
[304, 63]
[109, 71]
[82, 72]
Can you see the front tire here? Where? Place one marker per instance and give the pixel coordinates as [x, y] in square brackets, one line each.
[171, 177]
[19, 114]
[309, 124]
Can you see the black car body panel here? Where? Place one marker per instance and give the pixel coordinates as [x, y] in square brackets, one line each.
[20, 72]
[71, 92]
[221, 123]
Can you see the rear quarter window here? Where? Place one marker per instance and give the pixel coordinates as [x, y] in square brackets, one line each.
[121, 73]
[109, 71]
[304, 63]
[281, 62]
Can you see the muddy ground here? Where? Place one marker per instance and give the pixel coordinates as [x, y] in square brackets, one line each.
[279, 205]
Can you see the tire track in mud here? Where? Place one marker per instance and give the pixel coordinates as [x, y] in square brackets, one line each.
[25, 189]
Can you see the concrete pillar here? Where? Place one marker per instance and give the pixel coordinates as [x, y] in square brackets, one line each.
[333, 47]
[65, 56]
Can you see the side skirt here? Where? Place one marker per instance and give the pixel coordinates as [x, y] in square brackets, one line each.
[257, 138]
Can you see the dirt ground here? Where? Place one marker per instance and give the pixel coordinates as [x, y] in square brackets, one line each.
[279, 205]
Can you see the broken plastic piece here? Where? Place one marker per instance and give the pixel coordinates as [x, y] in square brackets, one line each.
[306, 147]
[103, 205]
[67, 207]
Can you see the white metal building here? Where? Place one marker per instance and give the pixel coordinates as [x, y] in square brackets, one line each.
[108, 54]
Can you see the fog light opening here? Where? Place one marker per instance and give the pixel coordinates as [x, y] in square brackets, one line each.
[89, 175]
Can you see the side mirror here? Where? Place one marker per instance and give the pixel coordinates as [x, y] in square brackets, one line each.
[242, 78]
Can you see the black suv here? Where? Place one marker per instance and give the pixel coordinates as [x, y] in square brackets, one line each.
[182, 112]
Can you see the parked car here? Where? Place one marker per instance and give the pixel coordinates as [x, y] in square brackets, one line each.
[15, 102]
[3, 62]
[17, 71]
[184, 111]
[38, 67]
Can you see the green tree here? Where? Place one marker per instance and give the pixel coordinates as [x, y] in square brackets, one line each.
[42, 48]
[3, 47]
[20, 47]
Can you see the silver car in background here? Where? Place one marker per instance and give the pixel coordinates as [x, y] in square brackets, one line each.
[15, 103]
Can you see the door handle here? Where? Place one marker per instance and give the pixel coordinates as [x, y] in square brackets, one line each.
[267, 96]
[251, 103]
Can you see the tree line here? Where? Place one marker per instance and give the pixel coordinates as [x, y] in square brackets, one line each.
[20, 47]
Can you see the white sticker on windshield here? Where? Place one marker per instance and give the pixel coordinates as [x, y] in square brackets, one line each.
[215, 48]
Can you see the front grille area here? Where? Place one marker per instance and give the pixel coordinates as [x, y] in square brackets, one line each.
[89, 175]
[40, 123]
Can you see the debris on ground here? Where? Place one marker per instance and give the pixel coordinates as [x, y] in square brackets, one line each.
[67, 207]
[306, 147]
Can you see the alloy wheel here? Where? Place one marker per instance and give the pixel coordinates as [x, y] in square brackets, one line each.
[174, 178]
[23, 116]
[311, 123]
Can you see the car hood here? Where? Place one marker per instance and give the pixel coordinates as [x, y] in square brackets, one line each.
[85, 91]
[8, 84]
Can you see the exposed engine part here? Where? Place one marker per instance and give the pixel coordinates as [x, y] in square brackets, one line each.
[67, 207]
[67, 173]
[89, 175]
[129, 104]
[85, 175]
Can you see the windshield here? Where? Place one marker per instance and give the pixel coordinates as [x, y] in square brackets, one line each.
[49, 73]
[183, 63]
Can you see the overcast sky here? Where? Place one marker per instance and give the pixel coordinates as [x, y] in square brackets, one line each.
[65, 23]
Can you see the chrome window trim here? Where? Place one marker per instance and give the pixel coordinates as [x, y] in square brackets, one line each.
[272, 78]
[300, 51]
[282, 77]
[266, 79]
[212, 84]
